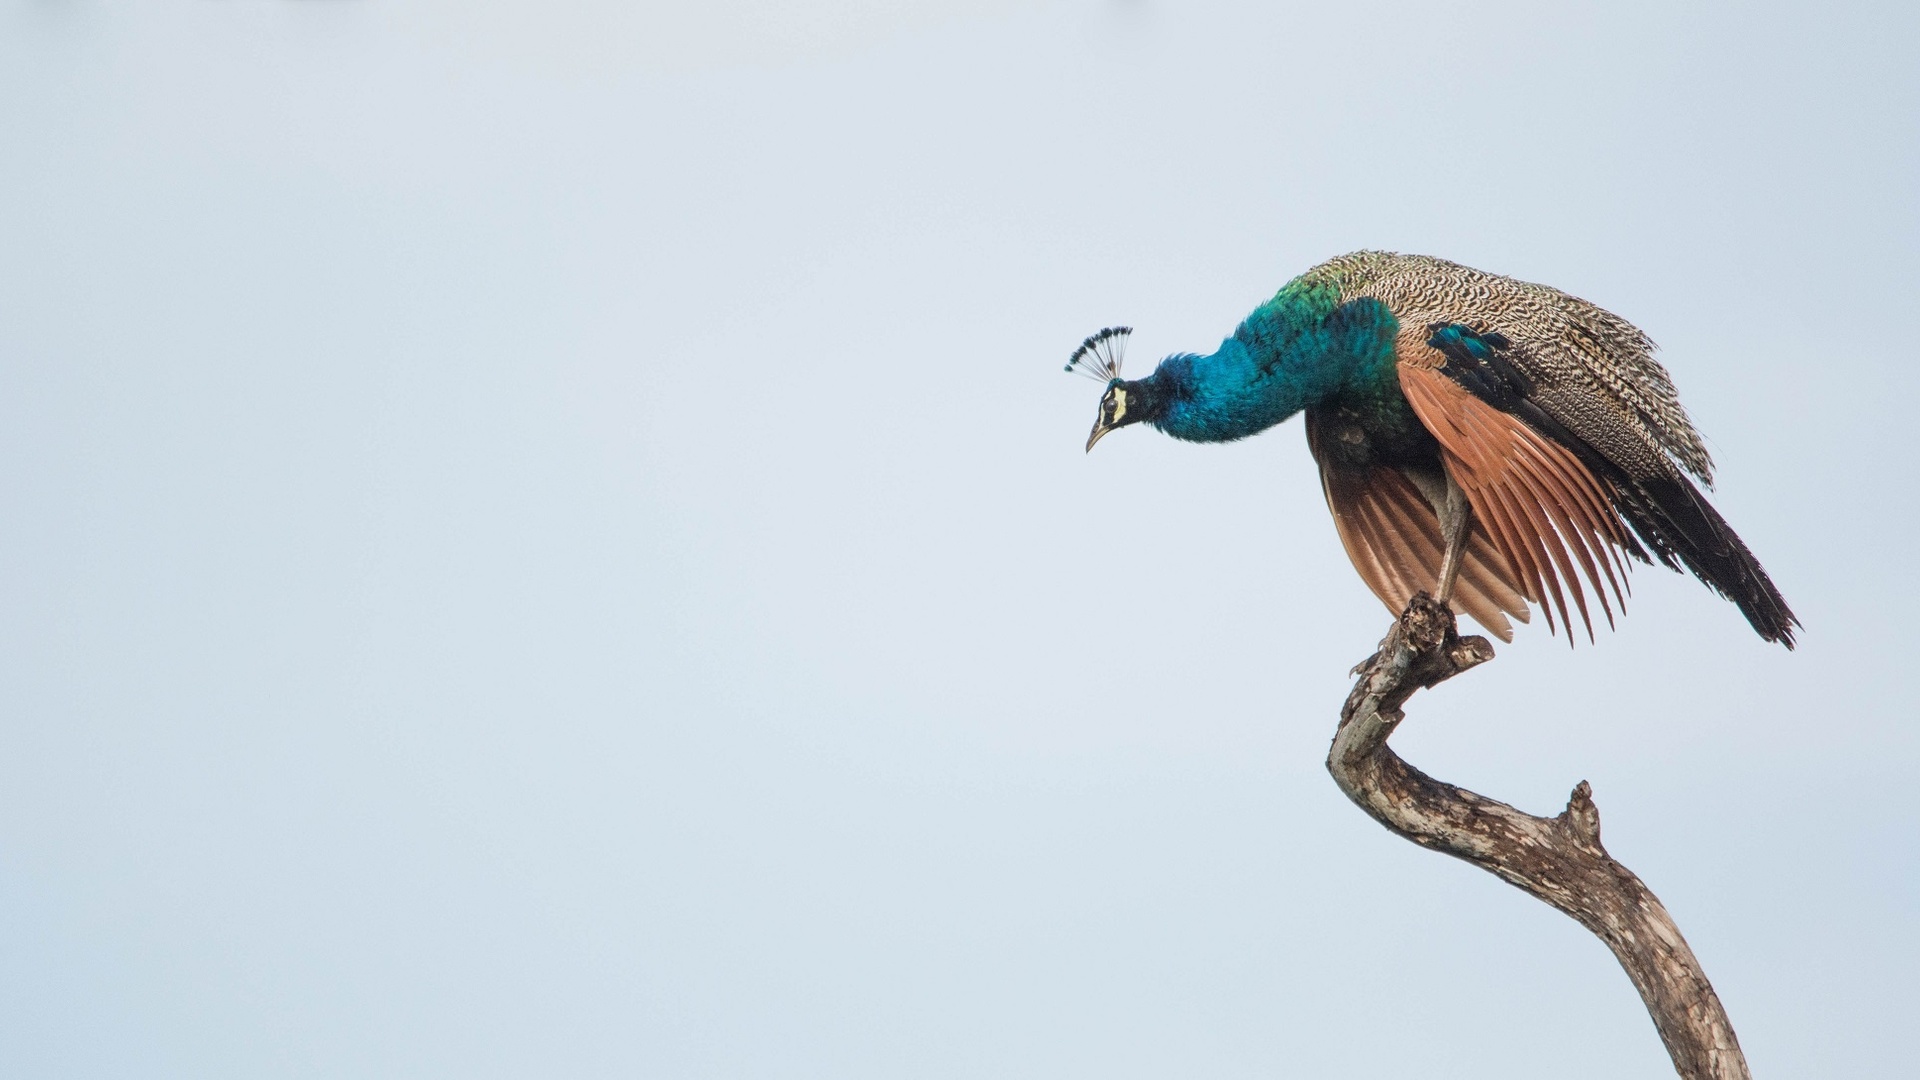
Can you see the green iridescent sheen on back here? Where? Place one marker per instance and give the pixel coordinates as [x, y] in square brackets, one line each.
[1316, 291]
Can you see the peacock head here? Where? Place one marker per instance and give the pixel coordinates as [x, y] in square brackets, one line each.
[1113, 411]
[1126, 401]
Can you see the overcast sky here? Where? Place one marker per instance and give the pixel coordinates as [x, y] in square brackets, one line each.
[551, 539]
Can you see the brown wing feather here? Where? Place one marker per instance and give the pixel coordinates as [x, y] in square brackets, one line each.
[1392, 535]
[1544, 509]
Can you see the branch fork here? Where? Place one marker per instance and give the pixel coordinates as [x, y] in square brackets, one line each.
[1558, 859]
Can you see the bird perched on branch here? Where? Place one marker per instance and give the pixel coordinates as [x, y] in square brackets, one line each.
[1488, 440]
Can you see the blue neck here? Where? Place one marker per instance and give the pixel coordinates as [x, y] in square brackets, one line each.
[1285, 357]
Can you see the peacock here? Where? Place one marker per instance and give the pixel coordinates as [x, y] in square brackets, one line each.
[1491, 441]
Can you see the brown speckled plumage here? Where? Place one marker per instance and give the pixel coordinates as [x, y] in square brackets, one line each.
[1592, 370]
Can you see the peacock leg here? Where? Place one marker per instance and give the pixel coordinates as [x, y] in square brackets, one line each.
[1455, 517]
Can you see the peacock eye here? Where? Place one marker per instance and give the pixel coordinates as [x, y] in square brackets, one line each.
[1119, 407]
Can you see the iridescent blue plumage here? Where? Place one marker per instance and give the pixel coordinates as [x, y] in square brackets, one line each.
[1290, 354]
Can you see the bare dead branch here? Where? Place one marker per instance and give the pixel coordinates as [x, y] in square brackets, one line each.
[1557, 859]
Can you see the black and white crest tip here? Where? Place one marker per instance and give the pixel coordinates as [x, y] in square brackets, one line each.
[1098, 357]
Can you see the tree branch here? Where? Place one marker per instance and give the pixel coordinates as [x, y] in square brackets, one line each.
[1557, 859]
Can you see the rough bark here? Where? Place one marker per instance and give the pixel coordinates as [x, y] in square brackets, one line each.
[1557, 859]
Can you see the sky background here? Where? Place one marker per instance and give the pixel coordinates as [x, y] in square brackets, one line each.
[552, 540]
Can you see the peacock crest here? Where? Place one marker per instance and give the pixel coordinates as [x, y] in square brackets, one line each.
[1099, 357]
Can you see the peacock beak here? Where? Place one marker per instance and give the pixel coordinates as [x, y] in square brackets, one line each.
[1100, 427]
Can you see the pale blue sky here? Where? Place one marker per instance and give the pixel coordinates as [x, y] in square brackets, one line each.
[552, 540]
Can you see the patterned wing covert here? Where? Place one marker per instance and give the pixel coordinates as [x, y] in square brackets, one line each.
[1589, 369]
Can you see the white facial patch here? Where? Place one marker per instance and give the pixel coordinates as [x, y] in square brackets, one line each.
[1119, 405]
